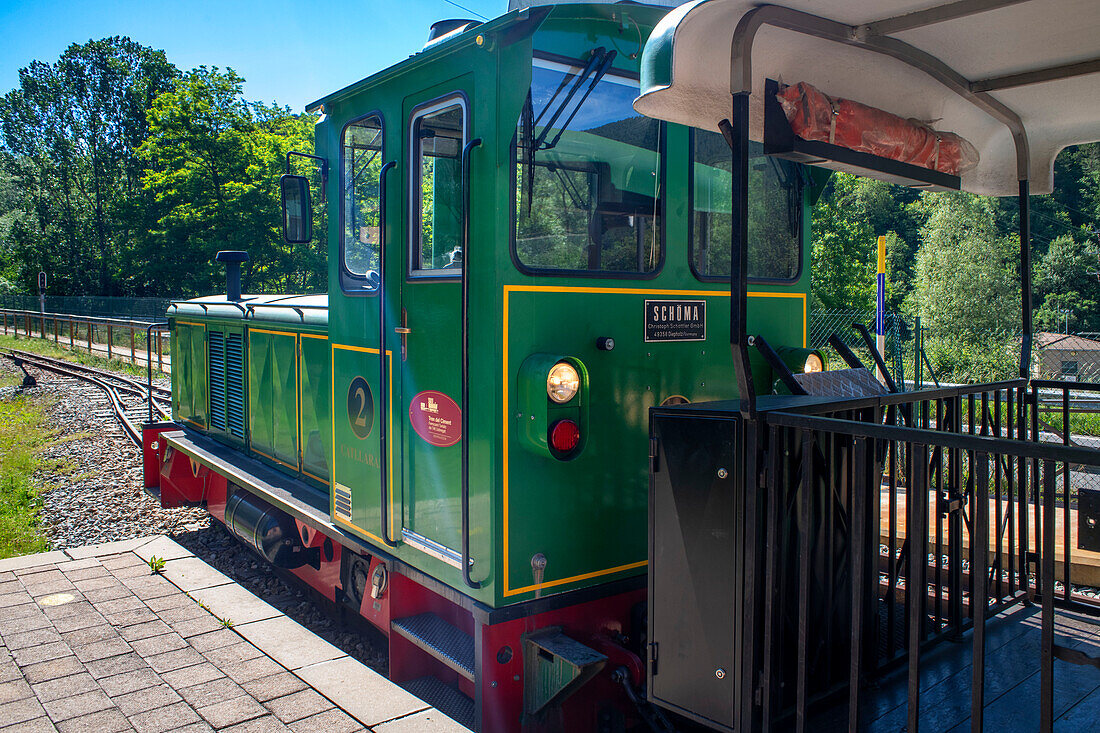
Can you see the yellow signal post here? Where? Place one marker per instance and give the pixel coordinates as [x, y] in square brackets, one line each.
[880, 304]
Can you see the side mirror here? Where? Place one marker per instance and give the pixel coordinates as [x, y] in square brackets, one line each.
[297, 209]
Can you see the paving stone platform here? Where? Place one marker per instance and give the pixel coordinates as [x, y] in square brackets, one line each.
[91, 640]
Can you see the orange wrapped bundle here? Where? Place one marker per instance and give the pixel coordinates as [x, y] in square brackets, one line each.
[816, 116]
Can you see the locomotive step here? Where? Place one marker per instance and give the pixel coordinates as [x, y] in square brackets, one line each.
[444, 698]
[450, 645]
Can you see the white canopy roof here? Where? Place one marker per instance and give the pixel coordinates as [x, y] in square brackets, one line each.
[984, 44]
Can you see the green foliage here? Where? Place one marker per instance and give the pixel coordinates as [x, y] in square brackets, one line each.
[1065, 280]
[966, 288]
[71, 176]
[1080, 423]
[848, 218]
[23, 434]
[214, 162]
[843, 249]
[121, 176]
[156, 564]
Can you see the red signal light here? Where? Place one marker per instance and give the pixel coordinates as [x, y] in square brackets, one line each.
[564, 436]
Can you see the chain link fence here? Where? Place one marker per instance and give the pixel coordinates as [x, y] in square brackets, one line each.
[900, 344]
[135, 309]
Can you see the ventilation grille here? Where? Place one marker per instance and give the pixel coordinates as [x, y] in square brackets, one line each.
[217, 380]
[342, 502]
[234, 383]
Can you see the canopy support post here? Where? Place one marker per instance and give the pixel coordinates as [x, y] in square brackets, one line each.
[737, 135]
[1025, 277]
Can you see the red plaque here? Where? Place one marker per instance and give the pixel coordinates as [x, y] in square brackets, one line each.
[436, 418]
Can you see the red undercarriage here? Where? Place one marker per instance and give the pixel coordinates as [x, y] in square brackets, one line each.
[498, 685]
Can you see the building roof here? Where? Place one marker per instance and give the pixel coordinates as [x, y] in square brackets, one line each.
[1065, 342]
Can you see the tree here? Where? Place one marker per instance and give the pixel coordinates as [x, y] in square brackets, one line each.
[213, 166]
[1065, 280]
[68, 138]
[966, 287]
[842, 250]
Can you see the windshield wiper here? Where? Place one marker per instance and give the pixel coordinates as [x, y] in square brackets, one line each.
[598, 64]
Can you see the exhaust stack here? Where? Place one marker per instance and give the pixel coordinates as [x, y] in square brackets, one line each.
[232, 260]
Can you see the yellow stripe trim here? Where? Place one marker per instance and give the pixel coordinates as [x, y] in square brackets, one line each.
[359, 530]
[361, 349]
[190, 323]
[583, 576]
[277, 333]
[505, 382]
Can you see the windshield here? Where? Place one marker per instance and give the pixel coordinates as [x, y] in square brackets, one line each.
[586, 195]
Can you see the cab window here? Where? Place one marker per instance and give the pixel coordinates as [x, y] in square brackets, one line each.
[775, 211]
[361, 165]
[438, 135]
[586, 194]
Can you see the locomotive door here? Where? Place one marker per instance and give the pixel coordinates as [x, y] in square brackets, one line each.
[430, 323]
[362, 397]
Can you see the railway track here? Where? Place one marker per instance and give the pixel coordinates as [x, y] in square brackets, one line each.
[129, 398]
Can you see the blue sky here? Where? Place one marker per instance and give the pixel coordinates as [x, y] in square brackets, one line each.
[291, 52]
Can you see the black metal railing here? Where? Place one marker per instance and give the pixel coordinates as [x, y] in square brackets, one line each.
[889, 523]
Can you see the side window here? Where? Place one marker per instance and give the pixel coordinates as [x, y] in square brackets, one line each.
[438, 134]
[775, 211]
[361, 163]
[587, 192]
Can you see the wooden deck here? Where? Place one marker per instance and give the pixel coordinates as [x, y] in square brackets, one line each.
[1012, 680]
[1084, 564]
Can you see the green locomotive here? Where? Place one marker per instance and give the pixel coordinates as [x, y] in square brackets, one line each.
[455, 440]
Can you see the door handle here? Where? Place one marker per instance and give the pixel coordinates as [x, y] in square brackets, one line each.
[404, 330]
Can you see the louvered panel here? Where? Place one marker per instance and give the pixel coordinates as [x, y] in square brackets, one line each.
[234, 366]
[217, 380]
[342, 502]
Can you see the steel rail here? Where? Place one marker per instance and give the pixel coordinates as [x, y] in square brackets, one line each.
[99, 379]
[121, 384]
[130, 384]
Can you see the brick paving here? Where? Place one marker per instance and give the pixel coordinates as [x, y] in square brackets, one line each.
[101, 644]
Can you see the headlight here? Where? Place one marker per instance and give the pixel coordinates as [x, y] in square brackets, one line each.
[813, 364]
[562, 382]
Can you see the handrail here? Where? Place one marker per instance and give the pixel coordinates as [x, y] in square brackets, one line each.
[149, 364]
[1057, 384]
[288, 306]
[466, 363]
[936, 438]
[44, 320]
[129, 322]
[383, 435]
[900, 398]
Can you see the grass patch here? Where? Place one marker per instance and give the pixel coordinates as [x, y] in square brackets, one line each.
[1080, 423]
[76, 354]
[23, 434]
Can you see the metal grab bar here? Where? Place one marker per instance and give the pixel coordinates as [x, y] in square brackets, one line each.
[149, 364]
[383, 436]
[466, 363]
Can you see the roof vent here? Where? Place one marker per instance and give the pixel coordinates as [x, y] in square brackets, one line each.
[443, 29]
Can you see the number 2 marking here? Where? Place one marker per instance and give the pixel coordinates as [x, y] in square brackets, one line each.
[361, 395]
